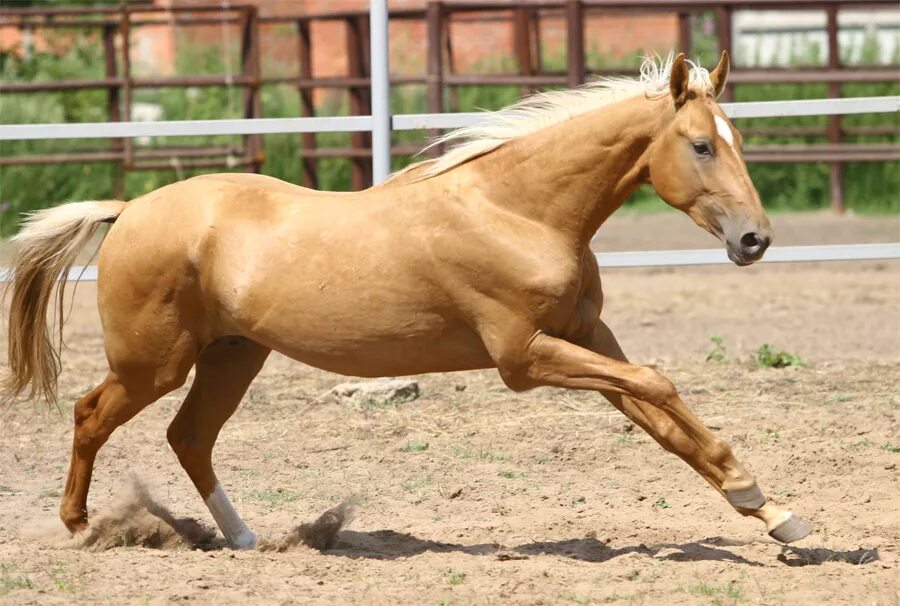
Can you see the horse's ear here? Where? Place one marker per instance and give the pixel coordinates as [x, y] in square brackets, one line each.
[678, 80]
[719, 75]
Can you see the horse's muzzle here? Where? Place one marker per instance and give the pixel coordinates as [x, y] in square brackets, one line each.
[749, 249]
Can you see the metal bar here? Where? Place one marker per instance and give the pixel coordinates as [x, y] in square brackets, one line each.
[836, 169]
[776, 254]
[356, 41]
[446, 33]
[9, 88]
[504, 80]
[723, 26]
[427, 121]
[434, 77]
[111, 155]
[106, 10]
[856, 75]
[381, 91]
[522, 46]
[344, 152]
[250, 71]
[307, 106]
[574, 43]
[125, 29]
[813, 75]
[462, 6]
[184, 128]
[114, 110]
[813, 107]
[770, 154]
[663, 258]
[178, 128]
[685, 37]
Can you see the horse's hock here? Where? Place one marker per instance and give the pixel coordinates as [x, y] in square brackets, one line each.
[382, 392]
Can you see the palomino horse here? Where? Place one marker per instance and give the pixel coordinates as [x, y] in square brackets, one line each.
[478, 259]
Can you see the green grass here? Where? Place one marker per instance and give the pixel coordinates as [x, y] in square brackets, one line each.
[454, 577]
[272, 497]
[10, 581]
[511, 475]
[726, 594]
[768, 357]
[718, 352]
[414, 447]
[770, 436]
[417, 482]
[468, 451]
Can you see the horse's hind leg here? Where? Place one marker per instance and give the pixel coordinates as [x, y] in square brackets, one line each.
[112, 403]
[225, 370]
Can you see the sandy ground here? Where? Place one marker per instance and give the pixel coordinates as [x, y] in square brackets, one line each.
[473, 494]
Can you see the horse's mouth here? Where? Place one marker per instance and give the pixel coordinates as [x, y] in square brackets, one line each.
[740, 259]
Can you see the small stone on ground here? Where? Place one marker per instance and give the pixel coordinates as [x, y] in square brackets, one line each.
[391, 390]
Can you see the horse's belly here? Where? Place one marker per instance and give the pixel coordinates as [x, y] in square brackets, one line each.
[366, 335]
[368, 354]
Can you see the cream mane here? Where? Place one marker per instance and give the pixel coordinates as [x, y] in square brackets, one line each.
[539, 111]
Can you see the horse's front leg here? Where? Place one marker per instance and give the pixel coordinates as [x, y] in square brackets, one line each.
[651, 401]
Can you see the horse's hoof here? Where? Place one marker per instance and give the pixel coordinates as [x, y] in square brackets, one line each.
[792, 529]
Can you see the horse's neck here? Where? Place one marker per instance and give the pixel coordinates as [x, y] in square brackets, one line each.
[574, 175]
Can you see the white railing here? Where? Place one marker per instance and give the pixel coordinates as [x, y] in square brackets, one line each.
[381, 123]
[664, 258]
[266, 126]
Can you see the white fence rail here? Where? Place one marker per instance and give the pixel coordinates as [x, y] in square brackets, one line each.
[666, 258]
[265, 126]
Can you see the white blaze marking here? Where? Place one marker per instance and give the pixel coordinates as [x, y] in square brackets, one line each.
[724, 130]
[230, 523]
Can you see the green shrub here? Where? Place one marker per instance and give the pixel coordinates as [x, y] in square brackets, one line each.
[767, 357]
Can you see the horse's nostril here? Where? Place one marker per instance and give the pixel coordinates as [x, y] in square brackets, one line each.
[751, 242]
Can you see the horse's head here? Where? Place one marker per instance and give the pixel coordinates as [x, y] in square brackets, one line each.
[696, 166]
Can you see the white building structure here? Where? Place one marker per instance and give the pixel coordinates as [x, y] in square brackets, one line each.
[778, 38]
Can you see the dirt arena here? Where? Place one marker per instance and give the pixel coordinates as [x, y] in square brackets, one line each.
[475, 495]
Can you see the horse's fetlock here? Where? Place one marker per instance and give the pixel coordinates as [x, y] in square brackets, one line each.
[719, 451]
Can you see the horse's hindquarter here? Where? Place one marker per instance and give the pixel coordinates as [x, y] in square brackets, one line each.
[343, 283]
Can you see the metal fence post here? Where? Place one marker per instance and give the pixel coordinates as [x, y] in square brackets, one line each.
[836, 172]
[723, 27]
[575, 43]
[307, 105]
[435, 26]
[114, 109]
[381, 91]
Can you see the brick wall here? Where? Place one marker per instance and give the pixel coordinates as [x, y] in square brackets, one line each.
[476, 44]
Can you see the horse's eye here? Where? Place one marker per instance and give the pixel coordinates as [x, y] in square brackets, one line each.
[701, 148]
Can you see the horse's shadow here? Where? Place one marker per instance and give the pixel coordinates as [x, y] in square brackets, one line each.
[145, 523]
[390, 545]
